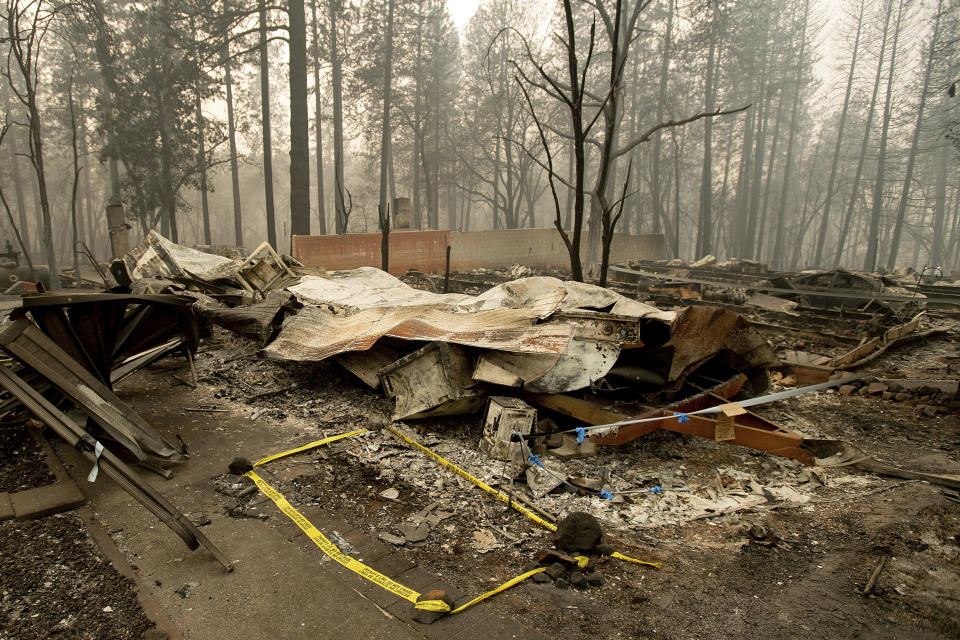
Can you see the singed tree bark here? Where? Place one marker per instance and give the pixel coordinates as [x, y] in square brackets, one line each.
[265, 117]
[838, 150]
[105, 63]
[18, 192]
[74, 148]
[768, 183]
[752, 197]
[232, 131]
[89, 216]
[418, 151]
[317, 118]
[385, 159]
[788, 166]
[433, 175]
[299, 122]
[848, 217]
[742, 232]
[940, 203]
[655, 178]
[873, 237]
[704, 229]
[336, 64]
[914, 144]
[24, 52]
[201, 153]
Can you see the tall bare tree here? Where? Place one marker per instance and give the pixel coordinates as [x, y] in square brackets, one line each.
[28, 22]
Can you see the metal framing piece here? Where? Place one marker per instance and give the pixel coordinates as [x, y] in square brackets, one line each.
[751, 430]
[75, 436]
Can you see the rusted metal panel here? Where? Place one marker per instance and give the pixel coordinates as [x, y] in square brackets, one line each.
[699, 333]
[316, 334]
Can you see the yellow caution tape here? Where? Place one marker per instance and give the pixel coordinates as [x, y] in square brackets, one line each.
[506, 585]
[502, 497]
[312, 445]
[499, 495]
[330, 548]
[363, 570]
[620, 556]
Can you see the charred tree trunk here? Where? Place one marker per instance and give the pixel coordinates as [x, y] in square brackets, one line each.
[299, 122]
[838, 150]
[265, 117]
[854, 193]
[232, 134]
[873, 237]
[317, 118]
[385, 134]
[914, 144]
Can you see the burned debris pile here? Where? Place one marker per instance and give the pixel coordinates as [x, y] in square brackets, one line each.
[546, 378]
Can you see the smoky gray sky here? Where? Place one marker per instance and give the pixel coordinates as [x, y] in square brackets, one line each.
[462, 10]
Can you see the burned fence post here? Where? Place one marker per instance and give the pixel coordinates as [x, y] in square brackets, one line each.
[384, 237]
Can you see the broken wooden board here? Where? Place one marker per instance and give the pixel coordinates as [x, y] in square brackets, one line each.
[27, 344]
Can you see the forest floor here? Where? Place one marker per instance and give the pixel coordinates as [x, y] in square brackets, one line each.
[824, 530]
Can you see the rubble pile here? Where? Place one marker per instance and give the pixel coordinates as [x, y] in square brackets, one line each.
[931, 397]
[577, 402]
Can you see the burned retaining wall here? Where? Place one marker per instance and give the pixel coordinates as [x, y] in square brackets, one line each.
[426, 250]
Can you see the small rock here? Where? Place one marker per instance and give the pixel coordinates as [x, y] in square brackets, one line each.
[604, 549]
[901, 396]
[595, 578]
[887, 395]
[875, 388]
[429, 617]
[925, 398]
[759, 532]
[863, 391]
[240, 466]
[579, 531]
[556, 570]
[541, 577]
[390, 494]
[869, 380]
[414, 534]
[392, 539]
[896, 387]
[578, 580]
[930, 411]
[789, 381]
[846, 389]
[185, 590]
[561, 583]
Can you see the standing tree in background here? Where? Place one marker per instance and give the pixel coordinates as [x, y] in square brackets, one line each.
[873, 237]
[385, 159]
[299, 125]
[27, 25]
[838, 150]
